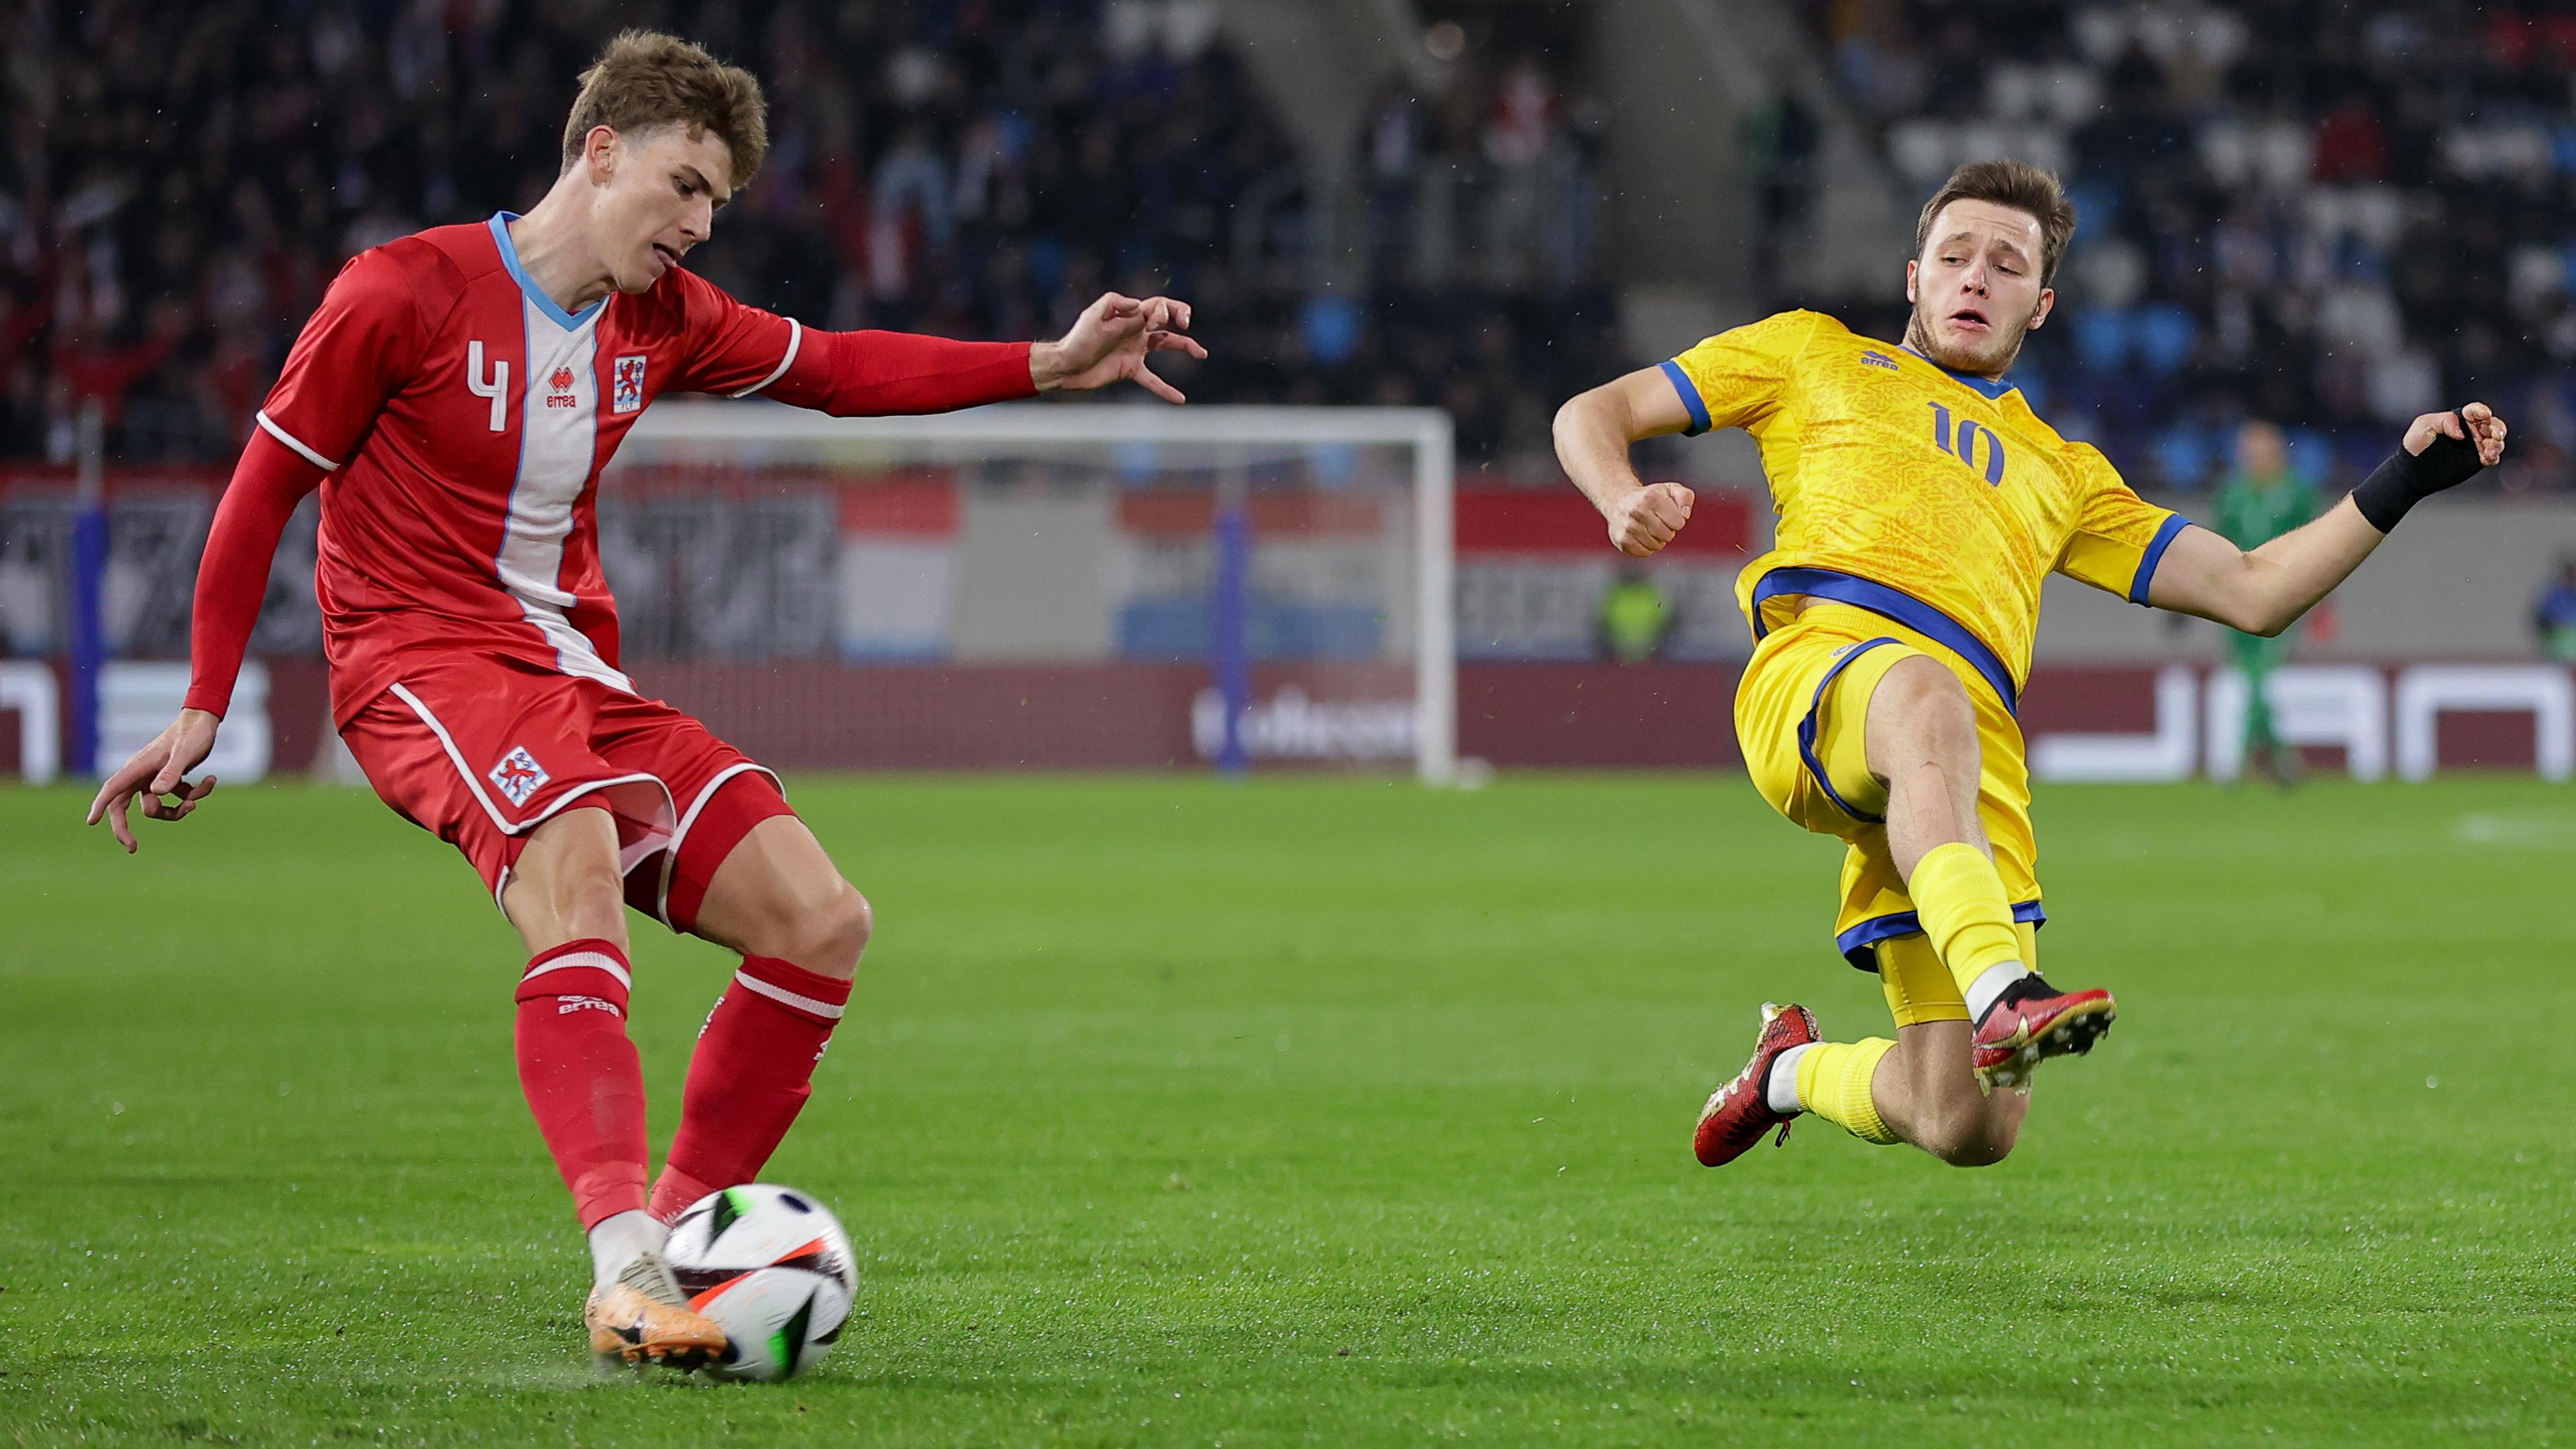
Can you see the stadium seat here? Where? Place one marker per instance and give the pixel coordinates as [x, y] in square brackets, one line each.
[2165, 335]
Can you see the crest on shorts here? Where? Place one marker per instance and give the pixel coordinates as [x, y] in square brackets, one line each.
[519, 775]
[626, 384]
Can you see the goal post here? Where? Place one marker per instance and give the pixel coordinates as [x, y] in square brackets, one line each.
[1306, 551]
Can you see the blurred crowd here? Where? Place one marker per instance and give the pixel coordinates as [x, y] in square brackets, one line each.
[2333, 214]
[178, 183]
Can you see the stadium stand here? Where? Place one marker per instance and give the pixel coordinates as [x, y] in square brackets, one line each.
[179, 183]
[2334, 215]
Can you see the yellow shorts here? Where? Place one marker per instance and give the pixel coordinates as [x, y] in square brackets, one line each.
[1799, 714]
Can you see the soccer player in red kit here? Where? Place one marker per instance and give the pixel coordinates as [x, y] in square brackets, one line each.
[455, 399]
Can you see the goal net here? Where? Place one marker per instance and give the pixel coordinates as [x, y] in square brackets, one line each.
[1043, 585]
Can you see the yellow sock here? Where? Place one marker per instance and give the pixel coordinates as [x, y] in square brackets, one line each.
[1960, 901]
[1833, 1083]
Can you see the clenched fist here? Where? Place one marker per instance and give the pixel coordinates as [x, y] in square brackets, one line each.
[2475, 424]
[1644, 521]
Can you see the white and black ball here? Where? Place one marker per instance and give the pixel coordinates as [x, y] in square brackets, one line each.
[774, 1270]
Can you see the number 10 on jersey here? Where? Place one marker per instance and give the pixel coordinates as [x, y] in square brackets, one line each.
[1960, 442]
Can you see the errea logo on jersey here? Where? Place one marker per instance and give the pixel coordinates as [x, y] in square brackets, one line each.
[559, 393]
[626, 391]
[519, 776]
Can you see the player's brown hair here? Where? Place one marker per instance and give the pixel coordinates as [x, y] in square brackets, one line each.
[645, 79]
[2016, 184]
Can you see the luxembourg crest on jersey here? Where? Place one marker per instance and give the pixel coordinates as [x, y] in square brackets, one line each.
[519, 775]
[626, 385]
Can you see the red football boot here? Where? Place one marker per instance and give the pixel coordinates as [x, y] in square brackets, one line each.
[1737, 1116]
[2033, 1021]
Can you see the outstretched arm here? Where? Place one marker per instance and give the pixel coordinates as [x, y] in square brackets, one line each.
[2264, 590]
[744, 350]
[1594, 431]
[232, 580]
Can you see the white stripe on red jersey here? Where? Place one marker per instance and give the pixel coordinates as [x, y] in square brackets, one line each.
[558, 456]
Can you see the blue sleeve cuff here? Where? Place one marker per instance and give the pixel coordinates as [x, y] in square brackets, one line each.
[2173, 526]
[1690, 399]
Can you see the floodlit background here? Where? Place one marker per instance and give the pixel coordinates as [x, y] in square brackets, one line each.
[1479, 208]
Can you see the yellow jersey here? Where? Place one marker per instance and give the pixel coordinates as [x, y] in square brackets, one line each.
[1931, 498]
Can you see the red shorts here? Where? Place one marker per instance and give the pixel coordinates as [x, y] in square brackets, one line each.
[481, 750]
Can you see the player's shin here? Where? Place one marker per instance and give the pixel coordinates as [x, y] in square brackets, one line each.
[1834, 1082]
[1961, 902]
[749, 1077]
[583, 1080]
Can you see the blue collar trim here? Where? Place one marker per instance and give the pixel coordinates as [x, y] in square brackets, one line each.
[500, 225]
[1989, 387]
[1838, 587]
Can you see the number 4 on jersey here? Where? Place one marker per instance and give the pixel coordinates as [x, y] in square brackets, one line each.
[1964, 448]
[498, 389]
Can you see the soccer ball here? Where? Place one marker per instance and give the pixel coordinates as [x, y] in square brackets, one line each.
[773, 1270]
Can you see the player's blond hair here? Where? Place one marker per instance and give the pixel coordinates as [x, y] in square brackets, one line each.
[2016, 184]
[645, 79]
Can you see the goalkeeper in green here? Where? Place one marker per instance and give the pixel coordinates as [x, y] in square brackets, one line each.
[2261, 500]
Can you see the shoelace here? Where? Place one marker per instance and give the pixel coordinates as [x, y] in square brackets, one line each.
[650, 1276]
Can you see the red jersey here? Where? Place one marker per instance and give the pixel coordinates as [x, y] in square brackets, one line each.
[462, 419]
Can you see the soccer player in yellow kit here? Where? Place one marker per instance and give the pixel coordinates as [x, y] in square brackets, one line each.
[1921, 504]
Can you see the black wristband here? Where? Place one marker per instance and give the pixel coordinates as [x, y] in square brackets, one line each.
[2407, 479]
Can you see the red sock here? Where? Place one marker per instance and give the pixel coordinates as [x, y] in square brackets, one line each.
[581, 1074]
[749, 1077]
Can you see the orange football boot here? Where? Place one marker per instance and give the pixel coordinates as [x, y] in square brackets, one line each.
[644, 1318]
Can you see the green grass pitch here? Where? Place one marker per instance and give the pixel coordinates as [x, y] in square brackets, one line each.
[1325, 1112]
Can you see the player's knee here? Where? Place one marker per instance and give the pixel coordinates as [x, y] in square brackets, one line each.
[1978, 1145]
[828, 934]
[1971, 1133]
[847, 923]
